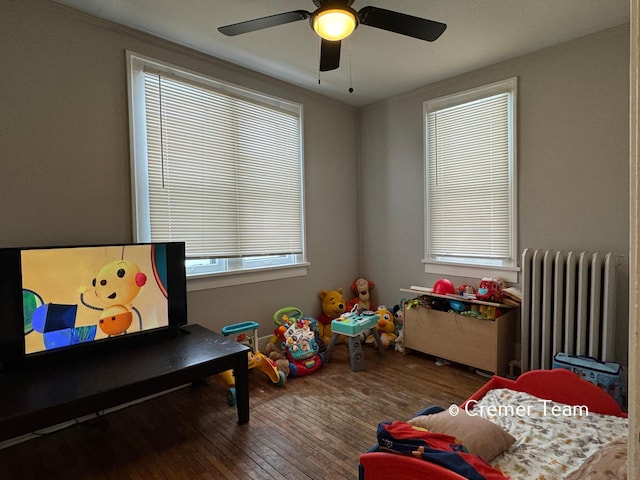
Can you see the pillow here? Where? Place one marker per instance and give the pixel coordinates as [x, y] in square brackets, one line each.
[608, 462]
[480, 436]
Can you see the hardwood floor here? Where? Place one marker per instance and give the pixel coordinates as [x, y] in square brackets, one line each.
[314, 427]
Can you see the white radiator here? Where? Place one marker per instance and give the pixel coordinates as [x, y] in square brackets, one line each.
[568, 305]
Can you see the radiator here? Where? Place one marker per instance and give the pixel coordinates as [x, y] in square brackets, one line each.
[568, 305]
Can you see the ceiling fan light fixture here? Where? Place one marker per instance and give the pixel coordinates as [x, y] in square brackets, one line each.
[335, 23]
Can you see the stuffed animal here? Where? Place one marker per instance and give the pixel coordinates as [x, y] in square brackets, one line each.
[362, 288]
[398, 316]
[332, 307]
[399, 343]
[385, 327]
[275, 353]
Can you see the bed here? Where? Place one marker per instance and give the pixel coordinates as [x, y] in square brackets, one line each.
[547, 424]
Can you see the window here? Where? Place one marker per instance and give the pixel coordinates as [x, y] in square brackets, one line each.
[470, 182]
[218, 167]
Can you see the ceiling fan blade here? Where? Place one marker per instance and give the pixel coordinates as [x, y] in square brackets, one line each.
[263, 22]
[401, 23]
[329, 55]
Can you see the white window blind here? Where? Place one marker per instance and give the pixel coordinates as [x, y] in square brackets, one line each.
[469, 181]
[224, 172]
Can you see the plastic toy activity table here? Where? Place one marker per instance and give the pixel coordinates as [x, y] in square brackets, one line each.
[352, 325]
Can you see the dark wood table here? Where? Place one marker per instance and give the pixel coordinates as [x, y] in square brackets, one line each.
[38, 398]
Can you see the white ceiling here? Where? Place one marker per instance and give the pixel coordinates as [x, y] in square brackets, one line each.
[376, 63]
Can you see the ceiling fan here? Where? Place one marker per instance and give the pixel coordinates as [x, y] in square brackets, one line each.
[335, 20]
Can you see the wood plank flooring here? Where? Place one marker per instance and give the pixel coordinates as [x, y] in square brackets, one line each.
[312, 428]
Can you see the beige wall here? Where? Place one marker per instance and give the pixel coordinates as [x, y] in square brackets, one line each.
[573, 167]
[64, 153]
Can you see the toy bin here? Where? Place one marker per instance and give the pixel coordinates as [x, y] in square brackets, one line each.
[606, 375]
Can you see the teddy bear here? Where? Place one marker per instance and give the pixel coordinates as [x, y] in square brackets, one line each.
[279, 357]
[385, 327]
[333, 306]
[362, 288]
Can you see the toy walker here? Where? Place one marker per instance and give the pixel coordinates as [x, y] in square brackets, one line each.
[256, 359]
[297, 335]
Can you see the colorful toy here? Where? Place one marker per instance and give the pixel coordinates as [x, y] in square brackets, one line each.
[490, 289]
[490, 312]
[362, 288]
[274, 351]
[385, 327]
[399, 343]
[352, 325]
[457, 306]
[466, 291]
[333, 306]
[296, 334]
[444, 286]
[398, 314]
[257, 360]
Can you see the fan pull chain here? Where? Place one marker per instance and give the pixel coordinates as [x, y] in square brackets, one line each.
[319, 55]
[350, 85]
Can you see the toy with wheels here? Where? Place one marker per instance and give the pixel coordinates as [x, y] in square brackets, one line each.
[228, 381]
[297, 336]
[264, 364]
[257, 360]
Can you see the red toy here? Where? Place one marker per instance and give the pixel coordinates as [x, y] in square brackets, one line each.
[444, 286]
[490, 289]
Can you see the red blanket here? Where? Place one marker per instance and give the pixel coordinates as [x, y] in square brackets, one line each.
[443, 450]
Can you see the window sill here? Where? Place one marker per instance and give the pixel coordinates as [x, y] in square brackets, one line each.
[229, 279]
[510, 274]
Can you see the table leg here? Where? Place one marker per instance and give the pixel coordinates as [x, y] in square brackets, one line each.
[327, 354]
[376, 335]
[241, 373]
[356, 354]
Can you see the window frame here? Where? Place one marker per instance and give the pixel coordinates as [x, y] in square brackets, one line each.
[509, 270]
[245, 270]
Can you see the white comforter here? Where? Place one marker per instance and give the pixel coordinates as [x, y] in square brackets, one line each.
[552, 439]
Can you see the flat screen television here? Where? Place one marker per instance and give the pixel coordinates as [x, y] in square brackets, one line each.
[65, 302]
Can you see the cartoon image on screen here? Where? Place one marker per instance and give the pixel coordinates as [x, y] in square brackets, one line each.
[84, 294]
[115, 287]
